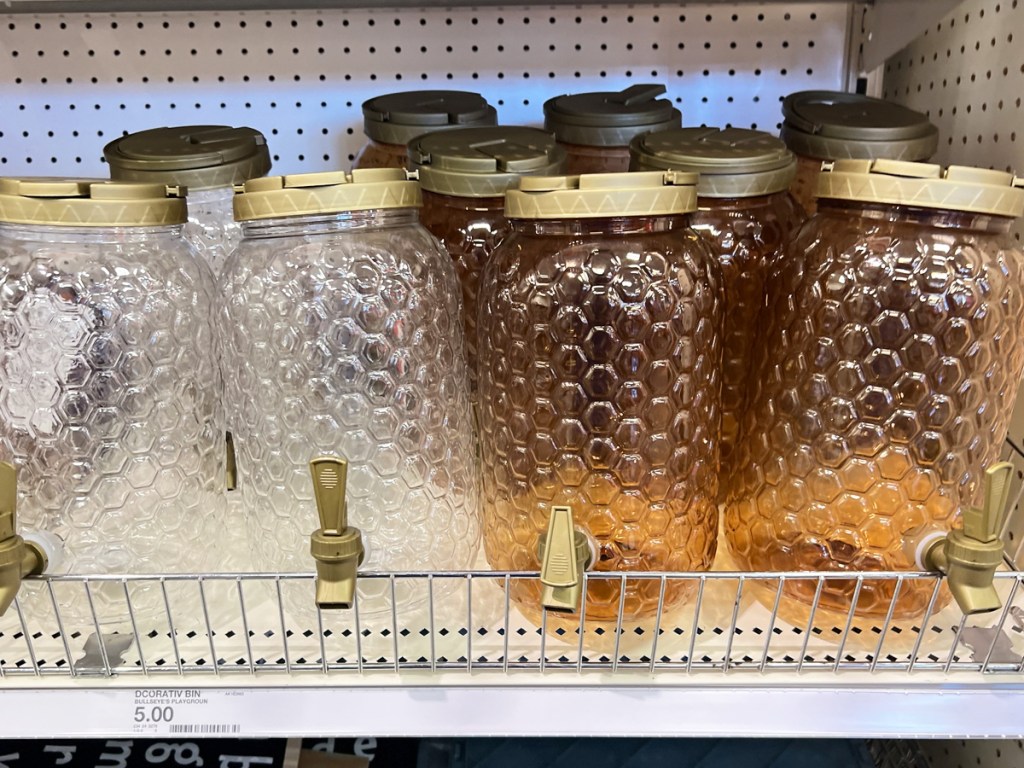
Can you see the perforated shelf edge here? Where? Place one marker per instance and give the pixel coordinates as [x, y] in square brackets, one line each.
[108, 6]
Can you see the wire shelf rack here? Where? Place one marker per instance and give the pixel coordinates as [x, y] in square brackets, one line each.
[253, 626]
[265, 624]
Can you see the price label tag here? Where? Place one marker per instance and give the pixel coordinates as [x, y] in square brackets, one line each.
[184, 712]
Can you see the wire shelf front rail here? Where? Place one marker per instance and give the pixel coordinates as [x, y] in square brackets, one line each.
[261, 625]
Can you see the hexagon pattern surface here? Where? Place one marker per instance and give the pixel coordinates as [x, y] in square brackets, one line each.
[469, 229]
[110, 400]
[891, 360]
[349, 343]
[746, 236]
[599, 388]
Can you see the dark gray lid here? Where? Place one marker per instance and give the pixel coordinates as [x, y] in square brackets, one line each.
[732, 162]
[610, 118]
[398, 118]
[483, 162]
[833, 125]
[196, 156]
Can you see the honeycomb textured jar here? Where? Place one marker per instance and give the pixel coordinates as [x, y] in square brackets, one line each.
[892, 353]
[376, 154]
[110, 401]
[346, 339]
[746, 235]
[805, 183]
[599, 388]
[465, 174]
[208, 160]
[211, 228]
[469, 228]
[745, 215]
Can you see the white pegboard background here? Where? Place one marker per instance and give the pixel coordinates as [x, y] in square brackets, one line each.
[966, 72]
[71, 83]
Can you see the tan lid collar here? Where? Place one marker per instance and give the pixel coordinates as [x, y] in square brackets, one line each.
[325, 193]
[198, 156]
[922, 185]
[483, 162]
[398, 118]
[90, 203]
[610, 118]
[602, 195]
[732, 162]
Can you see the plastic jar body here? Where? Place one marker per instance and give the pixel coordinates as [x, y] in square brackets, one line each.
[469, 228]
[376, 154]
[211, 228]
[345, 339]
[746, 235]
[600, 388]
[804, 187]
[890, 363]
[111, 395]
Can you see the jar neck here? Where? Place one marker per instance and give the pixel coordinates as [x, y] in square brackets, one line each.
[619, 225]
[209, 194]
[52, 233]
[932, 217]
[326, 223]
[737, 203]
[488, 204]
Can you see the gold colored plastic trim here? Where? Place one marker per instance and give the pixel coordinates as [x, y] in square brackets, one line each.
[564, 553]
[335, 545]
[969, 557]
[602, 195]
[90, 203]
[923, 185]
[331, 192]
[18, 558]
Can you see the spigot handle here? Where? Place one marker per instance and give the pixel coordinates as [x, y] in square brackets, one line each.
[336, 546]
[559, 567]
[969, 556]
[985, 523]
[17, 557]
[564, 554]
[329, 477]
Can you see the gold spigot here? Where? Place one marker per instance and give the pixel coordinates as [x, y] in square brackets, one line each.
[335, 545]
[18, 558]
[564, 554]
[969, 556]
